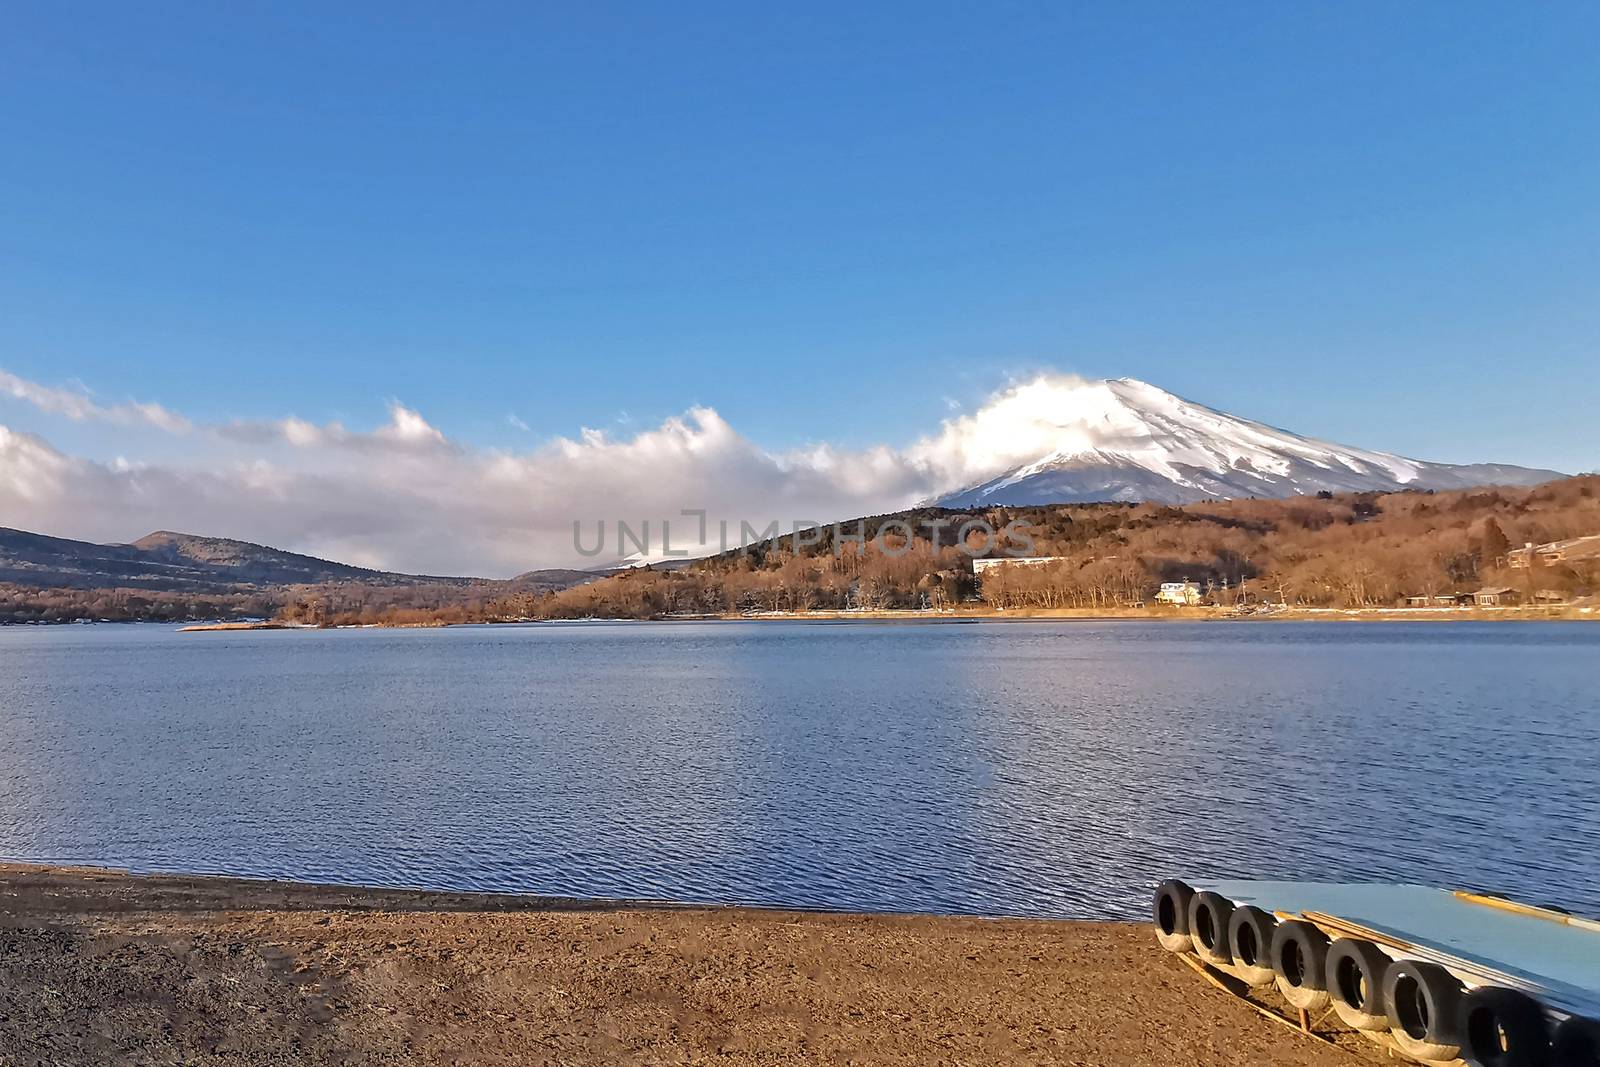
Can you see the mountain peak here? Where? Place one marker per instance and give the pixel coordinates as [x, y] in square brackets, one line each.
[1061, 439]
[162, 537]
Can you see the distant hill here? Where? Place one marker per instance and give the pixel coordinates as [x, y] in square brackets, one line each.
[553, 579]
[177, 562]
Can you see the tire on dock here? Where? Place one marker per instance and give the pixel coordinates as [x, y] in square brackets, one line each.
[1300, 962]
[1424, 1005]
[1208, 927]
[1172, 915]
[1355, 972]
[1576, 1043]
[1250, 933]
[1503, 1028]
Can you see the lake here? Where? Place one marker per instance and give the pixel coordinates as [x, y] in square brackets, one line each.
[1038, 768]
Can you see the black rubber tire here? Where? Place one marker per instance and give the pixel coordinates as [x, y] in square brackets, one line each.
[1502, 1028]
[1172, 915]
[1354, 978]
[1300, 961]
[1424, 1005]
[1250, 944]
[1208, 926]
[1576, 1044]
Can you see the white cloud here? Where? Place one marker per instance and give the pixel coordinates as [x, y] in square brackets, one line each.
[1020, 423]
[409, 426]
[31, 473]
[404, 496]
[79, 406]
[405, 428]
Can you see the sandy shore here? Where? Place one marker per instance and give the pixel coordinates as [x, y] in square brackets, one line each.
[98, 967]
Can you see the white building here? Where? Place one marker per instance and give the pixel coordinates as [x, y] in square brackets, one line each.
[1574, 548]
[981, 565]
[1185, 593]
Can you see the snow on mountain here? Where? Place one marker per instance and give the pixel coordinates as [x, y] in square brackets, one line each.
[1124, 439]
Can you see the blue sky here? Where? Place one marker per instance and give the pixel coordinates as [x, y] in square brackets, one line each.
[1372, 223]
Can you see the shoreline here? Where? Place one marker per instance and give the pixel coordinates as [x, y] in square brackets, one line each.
[1211, 615]
[101, 966]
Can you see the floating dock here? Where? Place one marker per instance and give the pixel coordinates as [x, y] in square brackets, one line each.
[1432, 975]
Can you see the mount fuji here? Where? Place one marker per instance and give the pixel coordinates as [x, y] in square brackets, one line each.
[1123, 439]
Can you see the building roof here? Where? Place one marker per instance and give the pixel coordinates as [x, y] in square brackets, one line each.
[1499, 590]
[999, 561]
[1586, 542]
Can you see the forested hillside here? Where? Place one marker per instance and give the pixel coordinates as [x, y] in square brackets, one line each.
[1347, 550]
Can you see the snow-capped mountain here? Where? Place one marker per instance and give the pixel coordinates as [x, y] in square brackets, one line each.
[1124, 439]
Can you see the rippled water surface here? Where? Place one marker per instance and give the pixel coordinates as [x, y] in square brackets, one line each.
[1038, 768]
